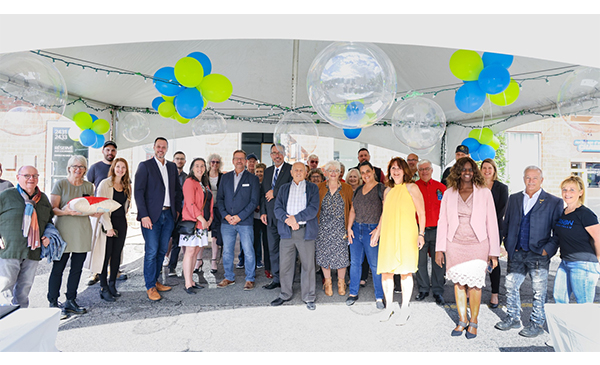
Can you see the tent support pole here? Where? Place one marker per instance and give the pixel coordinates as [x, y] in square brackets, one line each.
[295, 58]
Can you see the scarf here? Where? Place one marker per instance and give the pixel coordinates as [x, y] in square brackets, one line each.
[30, 226]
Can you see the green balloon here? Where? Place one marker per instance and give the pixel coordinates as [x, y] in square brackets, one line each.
[101, 126]
[83, 120]
[466, 65]
[166, 109]
[486, 136]
[216, 88]
[181, 119]
[475, 133]
[508, 96]
[168, 98]
[189, 72]
[495, 143]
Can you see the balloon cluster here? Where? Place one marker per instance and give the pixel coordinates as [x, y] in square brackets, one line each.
[188, 86]
[90, 130]
[482, 144]
[487, 74]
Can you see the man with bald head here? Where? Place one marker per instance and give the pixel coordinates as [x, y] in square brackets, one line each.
[296, 208]
[412, 160]
[24, 213]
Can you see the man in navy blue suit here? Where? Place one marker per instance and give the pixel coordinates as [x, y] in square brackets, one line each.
[237, 198]
[530, 243]
[159, 198]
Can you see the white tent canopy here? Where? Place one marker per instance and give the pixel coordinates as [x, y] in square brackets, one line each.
[261, 68]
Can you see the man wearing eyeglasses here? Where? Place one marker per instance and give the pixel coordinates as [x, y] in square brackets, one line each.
[24, 213]
[433, 192]
[412, 160]
[275, 176]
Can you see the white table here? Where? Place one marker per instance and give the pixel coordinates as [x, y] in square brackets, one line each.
[29, 330]
[574, 327]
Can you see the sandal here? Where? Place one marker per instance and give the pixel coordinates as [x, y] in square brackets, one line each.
[213, 271]
[469, 334]
[458, 333]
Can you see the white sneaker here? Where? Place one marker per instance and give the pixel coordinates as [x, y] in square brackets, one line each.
[166, 261]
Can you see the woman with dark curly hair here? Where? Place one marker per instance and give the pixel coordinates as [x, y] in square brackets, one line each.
[315, 176]
[468, 234]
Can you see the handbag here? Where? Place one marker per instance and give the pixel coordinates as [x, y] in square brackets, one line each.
[186, 228]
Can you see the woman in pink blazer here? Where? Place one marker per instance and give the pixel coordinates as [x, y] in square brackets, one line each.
[198, 208]
[468, 235]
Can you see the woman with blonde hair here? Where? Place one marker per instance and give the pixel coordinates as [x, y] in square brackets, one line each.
[578, 234]
[353, 178]
[116, 186]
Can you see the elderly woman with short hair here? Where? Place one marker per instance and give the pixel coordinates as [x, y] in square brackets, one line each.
[75, 229]
[353, 178]
[316, 176]
[331, 245]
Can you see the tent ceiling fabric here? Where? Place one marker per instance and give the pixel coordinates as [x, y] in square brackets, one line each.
[261, 71]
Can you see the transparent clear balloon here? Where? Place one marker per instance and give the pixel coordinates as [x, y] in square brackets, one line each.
[34, 79]
[298, 134]
[578, 100]
[419, 123]
[135, 127]
[211, 125]
[351, 85]
[23, 121]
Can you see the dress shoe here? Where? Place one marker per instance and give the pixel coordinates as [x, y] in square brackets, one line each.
[153, 294]
[249, 285]
[351, 300]
[439, 299]
[328, 287]
[121, 276]
[341, 286]
[106, 295]
[112, 288]
[362, 283]
[422, 295]
[197, 286]
[94, 278]
[403, 316]
[277, 302]
[268, 274]
[493, 305]
[71, 306]
[532, 330]
[161, 287]
[63, 314]
[272, 285]
[508, 323]
[311, 306]
[470, 335]
[190, 290]
[456, 333]
[225, 283]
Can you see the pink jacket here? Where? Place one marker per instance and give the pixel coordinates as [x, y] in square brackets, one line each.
[483, 219]
[193, 199]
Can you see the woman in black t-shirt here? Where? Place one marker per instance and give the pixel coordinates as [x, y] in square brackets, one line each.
[578, 234]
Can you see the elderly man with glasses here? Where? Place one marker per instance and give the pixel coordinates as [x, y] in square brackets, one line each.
[24, 213]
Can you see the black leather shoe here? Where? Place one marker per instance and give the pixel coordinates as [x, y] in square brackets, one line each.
[190, 290]
[121, 276]
[112, 288]
[71, 306]
[272, 285]
[197, 286]
[106, 295]
[277, 302]
[351, 300]
[63, 314]
[311, 306]
[439, 300]
[422, 295]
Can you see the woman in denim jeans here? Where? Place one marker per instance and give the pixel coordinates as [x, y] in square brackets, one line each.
[578, 235]
[367, 205]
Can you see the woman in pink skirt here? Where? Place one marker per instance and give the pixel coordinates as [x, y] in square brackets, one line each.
[468, 235]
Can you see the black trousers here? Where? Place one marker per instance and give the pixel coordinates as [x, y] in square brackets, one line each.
[58, 267]
[114, 248]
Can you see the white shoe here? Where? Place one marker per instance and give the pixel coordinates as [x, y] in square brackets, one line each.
[166, 261]
[402, 318]
[386, 314]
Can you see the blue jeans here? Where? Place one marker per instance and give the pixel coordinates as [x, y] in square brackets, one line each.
[521, 264]
[246, 233]
[157, 243]
[576, 277]
[361, 246]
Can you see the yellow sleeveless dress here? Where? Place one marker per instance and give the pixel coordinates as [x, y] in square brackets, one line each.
[398, 241]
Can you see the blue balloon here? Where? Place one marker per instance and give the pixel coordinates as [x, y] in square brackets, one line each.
[166, 83]
[475, 155]
[99, 141]
[156, 102]
[189, 103]
[352, 133]
[494, 79]
[486, 151]
[471, 143]
[355, 110]
[94, 118]
[469, 97]
[503, 60]
[87, 138]
[204, 61]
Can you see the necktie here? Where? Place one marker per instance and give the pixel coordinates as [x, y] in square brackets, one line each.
[275, 178]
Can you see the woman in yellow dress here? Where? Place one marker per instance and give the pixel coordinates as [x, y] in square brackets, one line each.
[400, 236]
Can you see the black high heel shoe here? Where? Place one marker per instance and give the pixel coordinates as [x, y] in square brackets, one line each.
[462, 324]
[213, 271]
[106, 295]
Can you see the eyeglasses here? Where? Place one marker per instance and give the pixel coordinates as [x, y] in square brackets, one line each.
[27, 176]
[276, 153]
[77, 167]
[215, 162]
[425, 169]
[313, 161]
[333, 171]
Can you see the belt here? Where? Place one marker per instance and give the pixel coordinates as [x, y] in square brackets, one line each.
[166, 208]
[430, 228]
[302, 225]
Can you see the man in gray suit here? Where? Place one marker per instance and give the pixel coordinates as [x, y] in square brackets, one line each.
[529, 242]
[275, 176]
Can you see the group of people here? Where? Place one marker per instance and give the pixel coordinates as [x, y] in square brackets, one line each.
[389, 222]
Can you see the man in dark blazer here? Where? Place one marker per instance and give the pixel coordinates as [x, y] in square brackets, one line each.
[158, 197]
[530, 243]
[275, 176]
[237, 198]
